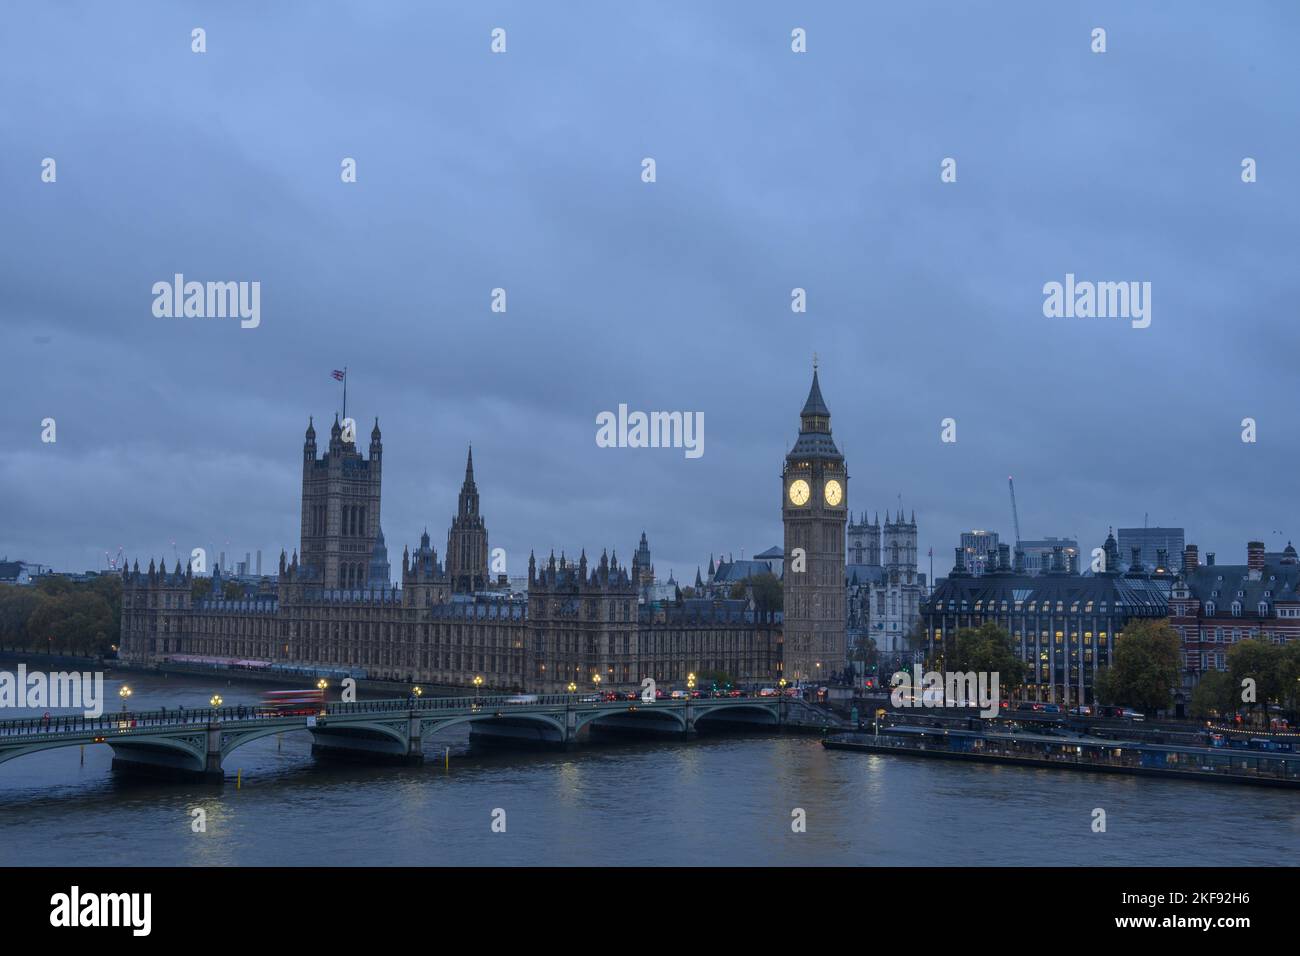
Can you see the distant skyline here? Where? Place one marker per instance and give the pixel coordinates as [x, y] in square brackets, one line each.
[522, 171]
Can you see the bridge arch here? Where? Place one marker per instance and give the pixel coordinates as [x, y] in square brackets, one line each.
[186, 753]
[10, 753]
[643, 714]
[433, 725]
[757, 714]
[232, 740]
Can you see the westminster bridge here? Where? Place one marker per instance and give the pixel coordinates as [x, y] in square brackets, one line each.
[194, 744]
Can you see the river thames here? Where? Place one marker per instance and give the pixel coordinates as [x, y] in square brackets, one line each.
[722, 800]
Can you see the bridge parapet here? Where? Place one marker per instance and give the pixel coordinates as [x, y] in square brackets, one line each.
[197, 741]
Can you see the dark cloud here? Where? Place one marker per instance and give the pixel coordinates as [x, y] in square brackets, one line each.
[522, 171]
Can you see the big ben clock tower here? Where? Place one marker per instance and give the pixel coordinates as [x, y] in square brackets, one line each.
[814, 509]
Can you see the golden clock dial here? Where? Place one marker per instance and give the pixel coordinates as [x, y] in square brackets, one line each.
[799, 492]
[834, 493]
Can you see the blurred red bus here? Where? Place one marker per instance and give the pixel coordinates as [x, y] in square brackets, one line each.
[293, 702]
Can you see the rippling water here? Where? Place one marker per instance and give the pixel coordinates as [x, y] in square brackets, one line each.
[715, 800]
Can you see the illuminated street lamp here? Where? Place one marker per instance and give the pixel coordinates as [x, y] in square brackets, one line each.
[124, 692]
[417, 691]
[478, 682]
[595, 679]
[215, 702]
[573, 688]
[690, 681]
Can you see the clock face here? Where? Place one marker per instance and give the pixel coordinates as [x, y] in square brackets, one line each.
[799, 492]
[834, 493]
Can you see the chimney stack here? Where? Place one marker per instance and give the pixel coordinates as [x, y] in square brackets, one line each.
[1191, 558]
[1162, 559]
[1136, 563]
[1255, 559]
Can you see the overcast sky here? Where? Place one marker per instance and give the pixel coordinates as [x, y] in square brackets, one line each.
[522, 170]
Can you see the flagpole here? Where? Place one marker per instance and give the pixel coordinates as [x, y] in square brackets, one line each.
[345, 393]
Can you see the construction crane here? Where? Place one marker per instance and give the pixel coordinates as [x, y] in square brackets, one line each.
[1015, 518]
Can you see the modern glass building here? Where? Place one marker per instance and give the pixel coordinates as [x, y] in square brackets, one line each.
[1064, 625]
[1149, 542]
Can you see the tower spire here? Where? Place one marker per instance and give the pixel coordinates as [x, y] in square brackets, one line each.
[815, 407]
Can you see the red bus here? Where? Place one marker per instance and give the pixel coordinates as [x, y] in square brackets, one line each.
[293, 702]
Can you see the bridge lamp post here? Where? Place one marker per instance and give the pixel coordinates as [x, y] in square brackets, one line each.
[573, 688]
[478, 682]
[215, 702]
[595, 679]
[417, 691]
[690, 682]
[124, 692]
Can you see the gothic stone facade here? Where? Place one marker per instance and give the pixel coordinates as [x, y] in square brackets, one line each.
[885, 590]
[443, 625]
[814, 509]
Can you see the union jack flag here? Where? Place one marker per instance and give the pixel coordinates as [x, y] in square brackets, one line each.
[338, 374]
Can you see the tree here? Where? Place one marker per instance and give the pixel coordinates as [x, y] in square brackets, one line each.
[77, 622]
[54, 584]
[769, 596]
[1214, 696]
[1144, 669]
[738, 591]
[987, 649]
[1290, 665]
[61, 616]
[16, 607]
[1263, 663]
[866, 651]
[917, 638]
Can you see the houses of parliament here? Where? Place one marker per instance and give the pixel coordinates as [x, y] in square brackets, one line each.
[449, 622]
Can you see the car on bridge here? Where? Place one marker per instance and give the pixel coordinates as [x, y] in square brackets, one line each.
[523, 699]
